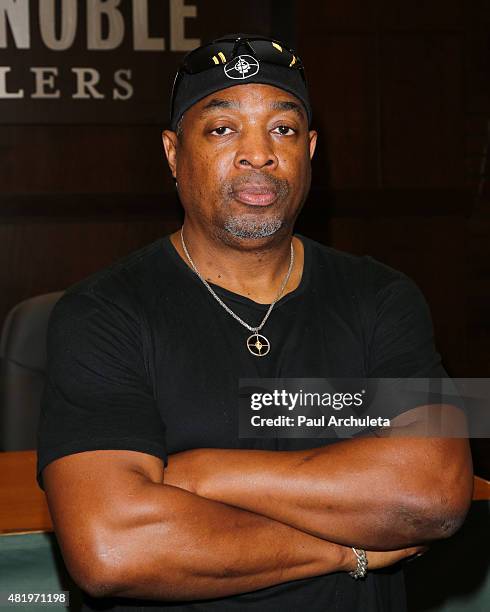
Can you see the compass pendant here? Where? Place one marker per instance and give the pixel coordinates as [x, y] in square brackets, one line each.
[258, 345]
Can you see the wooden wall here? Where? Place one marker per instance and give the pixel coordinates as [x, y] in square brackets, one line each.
[401, 94]
[402, 97]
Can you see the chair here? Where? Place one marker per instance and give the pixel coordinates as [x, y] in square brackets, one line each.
[22, 370]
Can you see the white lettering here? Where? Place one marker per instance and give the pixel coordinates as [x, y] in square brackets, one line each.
[47, 24]
[141, 38]
[3, 85]
[96, 10]
[178, 13]
[125, 85]
[293, 398]
[267, 399]
[87, 79]
[17, 13]
[278, 421]
[45, 78]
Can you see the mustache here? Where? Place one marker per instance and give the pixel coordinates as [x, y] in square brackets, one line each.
[278, 185]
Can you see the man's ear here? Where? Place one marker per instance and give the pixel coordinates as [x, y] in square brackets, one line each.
[313, 135]
[170, 144]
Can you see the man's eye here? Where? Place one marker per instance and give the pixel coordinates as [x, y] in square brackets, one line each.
[284, 130]
[221, 131]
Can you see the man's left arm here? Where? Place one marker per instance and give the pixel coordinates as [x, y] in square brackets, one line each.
[380, 492]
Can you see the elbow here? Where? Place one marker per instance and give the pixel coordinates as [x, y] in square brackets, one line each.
[438, 513]
[448, 517]
[94, 580]
[443, 523]
[111, 571]
[453, 501]
[441, 498]
[97, 579]
[95, 586]
[97, 566]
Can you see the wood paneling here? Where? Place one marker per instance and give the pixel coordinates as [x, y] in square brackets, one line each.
[320, 18]
[477, 14]
[88, 206]
[43, 256]
[317, 19]
[420, 14]
[478, 297]
[82, 159]
[422, 141]
[478, 69]
[477, 107]
[345, 109]
[477, 151]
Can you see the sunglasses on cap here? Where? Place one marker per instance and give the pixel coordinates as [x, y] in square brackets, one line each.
[223, 50]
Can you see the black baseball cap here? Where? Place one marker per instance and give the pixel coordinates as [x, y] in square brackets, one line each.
[237, 59]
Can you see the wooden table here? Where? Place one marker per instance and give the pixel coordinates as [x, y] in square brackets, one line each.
[23, 505]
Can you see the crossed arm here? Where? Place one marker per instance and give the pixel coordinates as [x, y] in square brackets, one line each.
[249, 519]
[378, 493]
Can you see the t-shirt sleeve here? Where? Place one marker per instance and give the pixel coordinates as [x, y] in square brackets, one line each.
[402, 340]
[98, 392]
[402, 347]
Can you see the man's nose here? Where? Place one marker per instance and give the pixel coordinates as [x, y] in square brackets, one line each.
[256, 151]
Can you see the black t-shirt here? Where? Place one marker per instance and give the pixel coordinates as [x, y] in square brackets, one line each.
[141, 357]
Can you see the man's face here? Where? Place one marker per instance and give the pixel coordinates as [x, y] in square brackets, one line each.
[242, 162]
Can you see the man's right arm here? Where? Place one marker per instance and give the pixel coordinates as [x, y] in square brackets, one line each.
[124, 533]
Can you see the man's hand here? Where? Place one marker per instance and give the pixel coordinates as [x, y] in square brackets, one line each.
[377, 560]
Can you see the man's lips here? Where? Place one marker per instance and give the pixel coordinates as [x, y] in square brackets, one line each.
[255, 195]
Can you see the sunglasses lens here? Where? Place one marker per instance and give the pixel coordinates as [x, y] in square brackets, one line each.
[208, 57]
[221, 52]
[272, 52]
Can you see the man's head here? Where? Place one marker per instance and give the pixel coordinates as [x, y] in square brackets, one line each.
[240, 144]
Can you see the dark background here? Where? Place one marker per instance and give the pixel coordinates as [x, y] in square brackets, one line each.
[401, 95]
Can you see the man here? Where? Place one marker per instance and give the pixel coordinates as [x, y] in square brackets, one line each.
[153, 494]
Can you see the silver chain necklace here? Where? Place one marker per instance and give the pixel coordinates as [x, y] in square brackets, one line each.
[257, 344]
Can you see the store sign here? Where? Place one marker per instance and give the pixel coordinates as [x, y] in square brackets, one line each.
[105, 61]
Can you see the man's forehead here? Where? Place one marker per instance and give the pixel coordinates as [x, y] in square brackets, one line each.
[243, 96]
